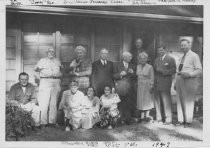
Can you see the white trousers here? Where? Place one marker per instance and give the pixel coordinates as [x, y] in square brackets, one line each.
[49, 90]
[186, 90]
[35, 111]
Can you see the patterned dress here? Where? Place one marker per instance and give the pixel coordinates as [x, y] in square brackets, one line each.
[145, 82]
[109, 113]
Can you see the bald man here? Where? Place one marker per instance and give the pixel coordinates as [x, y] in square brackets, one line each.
[49, 88]
[102, 73]
[124, 74]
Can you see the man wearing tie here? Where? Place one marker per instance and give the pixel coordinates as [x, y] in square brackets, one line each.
[165, 67]
[102, 73]
[186, 81]
[124, 73]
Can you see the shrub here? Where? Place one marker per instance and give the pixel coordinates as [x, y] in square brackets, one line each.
[18, 122]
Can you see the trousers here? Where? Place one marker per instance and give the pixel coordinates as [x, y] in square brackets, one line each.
[35, 111]
[186, 90]
[49, 90]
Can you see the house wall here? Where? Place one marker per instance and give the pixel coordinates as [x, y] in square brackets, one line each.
[30, 35]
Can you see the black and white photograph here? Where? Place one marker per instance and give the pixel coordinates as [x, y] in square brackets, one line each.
[101, 73]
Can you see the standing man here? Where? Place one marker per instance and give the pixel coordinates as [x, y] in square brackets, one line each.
[80, 68]
[124, 74]
[165, 67]
[49, 88]
[186, 81]
[23, 94]
[102, 73]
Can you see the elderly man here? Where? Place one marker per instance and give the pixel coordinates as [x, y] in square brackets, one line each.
[102, 73]
[49, 88]
[23, 94]
[80, 68]
[124, 73]
[138, 49]
[165, 68]
[186, 81]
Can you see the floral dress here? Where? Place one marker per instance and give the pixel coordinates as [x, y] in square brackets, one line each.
[109, 113]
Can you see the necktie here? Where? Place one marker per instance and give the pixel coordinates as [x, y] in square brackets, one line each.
[181, 64]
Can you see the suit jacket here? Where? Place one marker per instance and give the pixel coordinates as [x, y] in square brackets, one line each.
[101, 76]
[123, 84]
[163, 76]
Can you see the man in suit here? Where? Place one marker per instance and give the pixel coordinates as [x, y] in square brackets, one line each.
[124, 74]
[186, 81]
[102, 73]
[165, 67]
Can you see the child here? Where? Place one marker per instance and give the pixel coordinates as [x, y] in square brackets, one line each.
[72, 105]
[109, 113]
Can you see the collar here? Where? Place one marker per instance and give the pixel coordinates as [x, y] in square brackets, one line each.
[163, 56]
[125, 63]
[23, 86]
[102, 61]
[188, 52]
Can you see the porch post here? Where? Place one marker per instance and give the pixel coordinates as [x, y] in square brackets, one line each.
[126, 37]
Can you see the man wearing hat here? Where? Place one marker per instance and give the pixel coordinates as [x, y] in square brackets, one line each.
[189, 69]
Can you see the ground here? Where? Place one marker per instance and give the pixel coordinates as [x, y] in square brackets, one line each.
[135, 132]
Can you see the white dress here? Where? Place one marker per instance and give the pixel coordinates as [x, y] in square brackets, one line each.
[90, 112]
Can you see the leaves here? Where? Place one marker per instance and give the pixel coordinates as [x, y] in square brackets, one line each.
[17, 121]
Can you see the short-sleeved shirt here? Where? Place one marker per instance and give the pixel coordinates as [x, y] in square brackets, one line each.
[17, 93]
[50, 67]
[112, 102]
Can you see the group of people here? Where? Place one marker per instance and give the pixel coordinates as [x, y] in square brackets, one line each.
[102, 93]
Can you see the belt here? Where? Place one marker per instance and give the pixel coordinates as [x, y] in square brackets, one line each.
[50, 77]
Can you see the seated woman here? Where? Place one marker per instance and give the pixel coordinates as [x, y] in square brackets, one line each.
[90, 113]
[72, 105]
[109, 113]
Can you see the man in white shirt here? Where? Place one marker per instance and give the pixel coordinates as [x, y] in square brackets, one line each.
[186, 81]
[49, 88]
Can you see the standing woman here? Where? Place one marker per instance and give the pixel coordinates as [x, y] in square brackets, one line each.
[145, 75]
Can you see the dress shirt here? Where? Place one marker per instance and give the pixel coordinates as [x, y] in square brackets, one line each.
[191, 64]
[104, 62]
[125, 64]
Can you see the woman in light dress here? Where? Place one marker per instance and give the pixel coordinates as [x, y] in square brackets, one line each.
[145, 75]
[109, 112]
[90, 112]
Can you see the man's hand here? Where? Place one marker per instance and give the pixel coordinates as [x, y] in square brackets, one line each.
[123, 73]
[130, 70]
[185, 74]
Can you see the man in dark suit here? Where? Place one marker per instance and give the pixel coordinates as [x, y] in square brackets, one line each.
[124, 74]
[165, 67]
[102, 73]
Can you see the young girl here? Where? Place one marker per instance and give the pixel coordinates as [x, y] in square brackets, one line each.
[109, 113]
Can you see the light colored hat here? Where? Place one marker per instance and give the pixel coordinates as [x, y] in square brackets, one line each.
[188, 38]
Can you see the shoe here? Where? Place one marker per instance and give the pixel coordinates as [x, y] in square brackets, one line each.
[110, 127]
[67, 129]
[166, 123]
[178, 123]
[157, 121]
[187, 125]
[43, 126]
[127, 122]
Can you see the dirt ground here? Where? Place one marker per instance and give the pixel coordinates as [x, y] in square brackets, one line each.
[135, 132]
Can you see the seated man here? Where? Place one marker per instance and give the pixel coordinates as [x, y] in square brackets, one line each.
[72, 105]
[23, 94]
